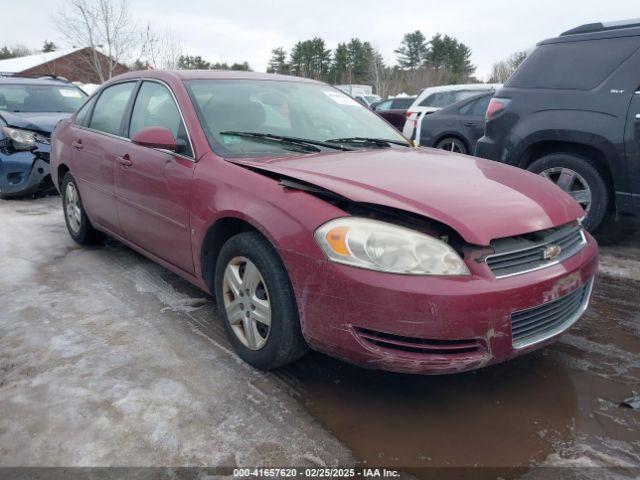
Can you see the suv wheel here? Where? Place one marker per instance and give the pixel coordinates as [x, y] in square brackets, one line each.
[78, 223]
[452, 144]
[580, 179]
[256, 300]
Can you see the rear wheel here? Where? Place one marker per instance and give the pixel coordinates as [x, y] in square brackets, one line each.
[452, 144]
[255, 297]
[580, 179]
[78, 223]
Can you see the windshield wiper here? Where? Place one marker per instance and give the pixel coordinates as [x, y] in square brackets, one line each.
[303, 142]
[379, 142]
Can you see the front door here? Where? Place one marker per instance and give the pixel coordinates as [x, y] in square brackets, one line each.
[153, 187]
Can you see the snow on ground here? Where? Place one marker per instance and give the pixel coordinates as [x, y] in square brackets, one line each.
[106, 359]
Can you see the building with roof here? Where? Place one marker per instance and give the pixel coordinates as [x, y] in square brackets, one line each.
[75, 64]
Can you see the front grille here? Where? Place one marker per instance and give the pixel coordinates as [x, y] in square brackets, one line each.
[516, 255]
[417, 345]
[544, 321]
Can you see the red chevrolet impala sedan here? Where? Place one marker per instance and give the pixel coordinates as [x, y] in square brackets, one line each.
[316, 225]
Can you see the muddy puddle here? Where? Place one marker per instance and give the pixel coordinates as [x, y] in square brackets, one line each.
[561, 406]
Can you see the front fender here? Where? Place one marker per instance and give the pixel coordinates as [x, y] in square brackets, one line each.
[286, 217]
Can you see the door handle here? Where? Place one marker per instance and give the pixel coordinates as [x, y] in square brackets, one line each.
[470, 124]
[637, 116]
[124, 160]
[77, 144]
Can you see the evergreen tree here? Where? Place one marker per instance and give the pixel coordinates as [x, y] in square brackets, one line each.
[278, 62]
[447, 52]
[311, 58]
[191, 62]
[48, 46]
[413, 51]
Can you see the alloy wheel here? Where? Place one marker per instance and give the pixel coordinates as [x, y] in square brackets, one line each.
[451, 145]
[72, 207]
[571, 182]
[246, 302]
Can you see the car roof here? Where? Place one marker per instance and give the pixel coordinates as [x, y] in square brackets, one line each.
[209, 75]
[597, 31]
[451, 88]
[467, 86]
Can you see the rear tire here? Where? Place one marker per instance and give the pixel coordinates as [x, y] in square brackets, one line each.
[452, 144]
[582, 181]
[75, 217]
[265, 347]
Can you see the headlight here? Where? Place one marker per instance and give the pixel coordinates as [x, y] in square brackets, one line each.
[22, 139]
[385, 247]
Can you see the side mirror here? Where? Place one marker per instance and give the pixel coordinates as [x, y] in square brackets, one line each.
[156, 137]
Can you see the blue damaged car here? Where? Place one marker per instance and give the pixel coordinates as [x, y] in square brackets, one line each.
[30, 108]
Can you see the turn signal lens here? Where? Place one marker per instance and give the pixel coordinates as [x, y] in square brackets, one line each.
[337, 240]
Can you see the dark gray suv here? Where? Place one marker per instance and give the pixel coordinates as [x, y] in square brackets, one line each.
[571, 112]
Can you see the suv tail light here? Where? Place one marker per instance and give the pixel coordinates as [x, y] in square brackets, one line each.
[496, 106]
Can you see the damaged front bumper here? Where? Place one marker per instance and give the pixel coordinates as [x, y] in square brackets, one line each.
[434, 325]
[24, 173]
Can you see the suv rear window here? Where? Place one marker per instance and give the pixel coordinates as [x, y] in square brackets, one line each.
[573, 65]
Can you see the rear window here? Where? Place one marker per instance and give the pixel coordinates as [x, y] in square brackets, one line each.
[444, 99]
[573, 65]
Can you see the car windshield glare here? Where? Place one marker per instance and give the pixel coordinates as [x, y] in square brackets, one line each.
[300, 110]
[40, 98]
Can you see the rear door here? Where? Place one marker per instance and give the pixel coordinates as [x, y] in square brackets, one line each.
[632, 147]
[473, 119]
[153, 186]
[95, 140]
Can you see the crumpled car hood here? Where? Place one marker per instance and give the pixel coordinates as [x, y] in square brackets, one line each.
[43, 122]
[481, 199]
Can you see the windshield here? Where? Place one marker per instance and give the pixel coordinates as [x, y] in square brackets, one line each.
[291, 109]
[40, 98]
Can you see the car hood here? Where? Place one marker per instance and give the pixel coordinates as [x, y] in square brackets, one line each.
[480, 199]
[38, 121]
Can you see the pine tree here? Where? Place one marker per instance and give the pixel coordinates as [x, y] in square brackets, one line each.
[278, 62]
[413, 50]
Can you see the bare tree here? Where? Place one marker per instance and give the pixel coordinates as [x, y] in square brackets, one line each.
[105, 24]
[503, 69]
[160, 49]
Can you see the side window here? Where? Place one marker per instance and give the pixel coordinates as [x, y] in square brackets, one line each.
[481, 105]
[386, 105]
[110, 106]
[82, 117]
[155, 107]
[401, 103]
[467, 108]
[428, 102]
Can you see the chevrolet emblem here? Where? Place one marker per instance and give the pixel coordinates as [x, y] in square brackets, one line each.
[552, 252]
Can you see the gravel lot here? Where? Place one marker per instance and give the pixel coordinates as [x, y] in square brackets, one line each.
[108, 359]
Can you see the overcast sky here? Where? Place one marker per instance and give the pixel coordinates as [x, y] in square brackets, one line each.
[241, 30]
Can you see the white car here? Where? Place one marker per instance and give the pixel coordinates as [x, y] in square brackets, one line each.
[433, 99]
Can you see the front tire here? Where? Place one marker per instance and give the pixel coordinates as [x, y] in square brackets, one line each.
[580, 179]
[257, 303]
[78, 223]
